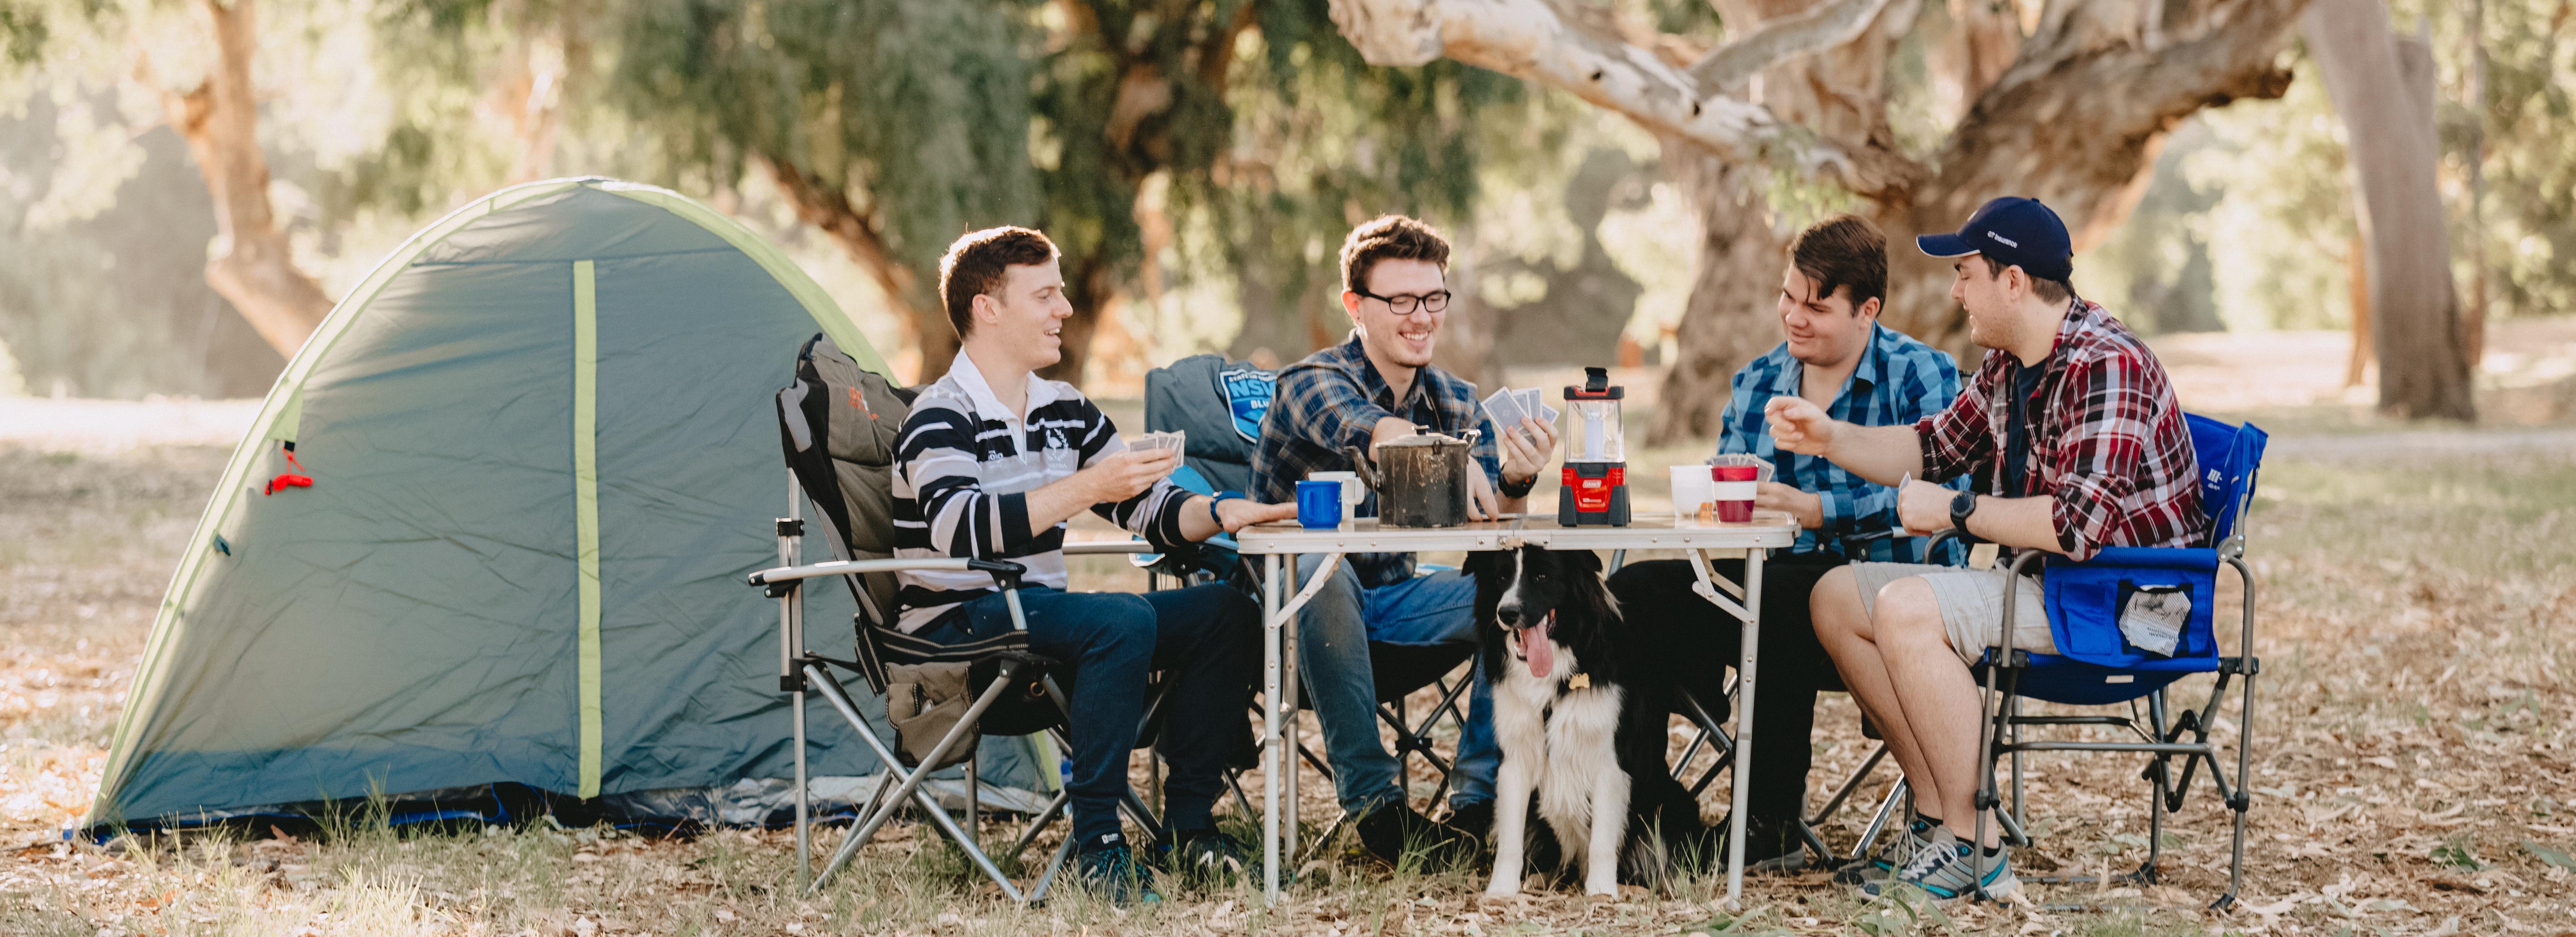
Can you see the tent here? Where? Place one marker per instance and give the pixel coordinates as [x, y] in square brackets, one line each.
[542, 455]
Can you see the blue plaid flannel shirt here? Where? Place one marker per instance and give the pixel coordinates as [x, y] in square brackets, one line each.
[1333, 399]
[1899, 381]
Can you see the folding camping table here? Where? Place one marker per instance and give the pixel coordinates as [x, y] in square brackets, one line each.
[1273, 542]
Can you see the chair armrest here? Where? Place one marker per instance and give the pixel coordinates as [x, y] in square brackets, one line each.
[1932, 549]
[1106, 547]
[855, 567]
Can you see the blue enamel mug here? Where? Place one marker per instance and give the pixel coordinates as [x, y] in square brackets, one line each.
[1319, 504]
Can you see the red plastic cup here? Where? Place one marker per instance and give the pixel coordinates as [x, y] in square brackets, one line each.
[1734, 494]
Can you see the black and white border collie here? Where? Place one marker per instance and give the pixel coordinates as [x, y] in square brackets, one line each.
[1576, 726]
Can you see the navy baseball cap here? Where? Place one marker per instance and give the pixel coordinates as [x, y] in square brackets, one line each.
[2016, 232]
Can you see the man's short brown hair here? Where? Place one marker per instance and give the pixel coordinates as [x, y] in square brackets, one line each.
[1843, 251]
[2046, 291]
[975, 264]
[1389, 237]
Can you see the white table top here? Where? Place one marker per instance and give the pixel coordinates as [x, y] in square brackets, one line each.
[1766, 529]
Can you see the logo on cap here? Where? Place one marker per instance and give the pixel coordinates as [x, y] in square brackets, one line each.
[2008, 242]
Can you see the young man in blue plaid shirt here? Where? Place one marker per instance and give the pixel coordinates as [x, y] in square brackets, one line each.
[1839, 356]
[1375, 387]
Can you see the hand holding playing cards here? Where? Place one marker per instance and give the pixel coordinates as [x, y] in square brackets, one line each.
[1525, 449]
[1127, 473]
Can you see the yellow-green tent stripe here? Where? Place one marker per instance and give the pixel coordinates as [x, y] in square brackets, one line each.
[585, 482]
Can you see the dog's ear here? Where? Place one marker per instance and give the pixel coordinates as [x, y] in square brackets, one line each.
[1478, 563]
[1585, 559]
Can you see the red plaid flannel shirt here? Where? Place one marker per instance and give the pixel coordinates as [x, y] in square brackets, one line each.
[2107, 441]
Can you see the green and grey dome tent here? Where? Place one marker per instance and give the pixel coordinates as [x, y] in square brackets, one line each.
[542, 455]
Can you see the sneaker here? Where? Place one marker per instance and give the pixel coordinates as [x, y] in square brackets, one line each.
[1947, 870]
[1393, 831]
[1111, 870]
[1205, 856]
[1474, 819]
[1893, 850]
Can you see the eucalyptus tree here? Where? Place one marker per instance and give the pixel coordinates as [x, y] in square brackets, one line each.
[1774, 109]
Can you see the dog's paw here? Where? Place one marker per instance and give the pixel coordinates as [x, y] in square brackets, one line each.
[1601, 897]
[1503, 889]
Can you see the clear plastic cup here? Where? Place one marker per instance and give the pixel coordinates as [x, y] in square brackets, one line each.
[1733, 479]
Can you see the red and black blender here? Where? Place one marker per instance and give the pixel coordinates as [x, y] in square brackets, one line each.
[1595, 488]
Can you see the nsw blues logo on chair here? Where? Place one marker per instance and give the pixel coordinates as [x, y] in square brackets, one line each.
[1247, 397]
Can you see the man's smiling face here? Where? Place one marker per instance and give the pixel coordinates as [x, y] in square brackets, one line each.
[1404, 340]
[1028, 310]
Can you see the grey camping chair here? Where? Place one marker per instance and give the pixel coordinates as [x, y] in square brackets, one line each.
[839, 425]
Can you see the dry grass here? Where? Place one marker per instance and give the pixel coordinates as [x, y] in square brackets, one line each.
[2414, 765]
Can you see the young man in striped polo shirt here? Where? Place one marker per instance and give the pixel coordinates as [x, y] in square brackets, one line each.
[991, 464]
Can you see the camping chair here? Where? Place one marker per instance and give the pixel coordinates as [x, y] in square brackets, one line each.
[1221, 405]
[2098, 665]
[839, 423]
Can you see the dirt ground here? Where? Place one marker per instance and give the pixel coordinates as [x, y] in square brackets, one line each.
[2413, 768]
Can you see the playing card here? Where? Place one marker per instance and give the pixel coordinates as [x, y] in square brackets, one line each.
[1505, 409]
[1538, 405]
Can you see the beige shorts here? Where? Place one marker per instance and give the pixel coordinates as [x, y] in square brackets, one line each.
[1972, 605]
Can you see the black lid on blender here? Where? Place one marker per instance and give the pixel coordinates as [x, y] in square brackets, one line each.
[1596, 386]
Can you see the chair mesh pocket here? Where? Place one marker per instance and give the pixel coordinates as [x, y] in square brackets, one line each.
[924, 702]
[2152, 617]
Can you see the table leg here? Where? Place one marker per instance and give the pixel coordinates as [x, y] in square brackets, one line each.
[1270, 654]
[1750, 613]
[1278, 622]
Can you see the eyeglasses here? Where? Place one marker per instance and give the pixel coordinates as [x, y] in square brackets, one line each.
[1435, 301]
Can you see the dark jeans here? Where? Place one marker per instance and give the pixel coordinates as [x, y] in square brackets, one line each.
[1656, 599]
[1205, 639]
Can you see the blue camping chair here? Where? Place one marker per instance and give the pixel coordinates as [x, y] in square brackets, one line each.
[2096, 665]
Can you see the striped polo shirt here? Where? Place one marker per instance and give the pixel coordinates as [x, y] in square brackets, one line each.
[962, 474]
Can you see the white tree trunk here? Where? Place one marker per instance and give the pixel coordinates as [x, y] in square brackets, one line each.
[2382, 88]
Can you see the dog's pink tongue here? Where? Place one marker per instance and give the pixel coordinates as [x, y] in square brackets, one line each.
[1540, 651]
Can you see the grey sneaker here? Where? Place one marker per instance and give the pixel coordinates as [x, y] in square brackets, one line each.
[1893, 849]
[1947, 870]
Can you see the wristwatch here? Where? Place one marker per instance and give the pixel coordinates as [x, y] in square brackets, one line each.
[1964, 504]
[1216, 499]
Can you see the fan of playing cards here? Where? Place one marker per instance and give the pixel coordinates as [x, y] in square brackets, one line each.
[1508, 406]
[1176, 440]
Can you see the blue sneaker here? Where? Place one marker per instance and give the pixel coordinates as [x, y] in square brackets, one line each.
[1111, 870]
[1947, 869]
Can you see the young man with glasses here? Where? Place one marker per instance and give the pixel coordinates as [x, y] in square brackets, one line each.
[1376, 387]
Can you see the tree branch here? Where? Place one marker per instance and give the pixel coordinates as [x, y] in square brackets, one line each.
[1725, 68]
[253, 262]
[1527, 39]
[829, 210]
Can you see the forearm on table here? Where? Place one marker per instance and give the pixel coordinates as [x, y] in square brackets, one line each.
[1881, 454]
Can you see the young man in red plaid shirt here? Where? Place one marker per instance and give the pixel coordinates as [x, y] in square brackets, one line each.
[2077, 443]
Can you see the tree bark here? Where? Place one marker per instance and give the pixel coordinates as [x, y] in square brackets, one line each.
[1530, 40]
[253, 263]
[1728, 319]
[2382, 88]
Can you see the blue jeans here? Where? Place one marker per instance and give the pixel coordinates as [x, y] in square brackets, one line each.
[1205, 639]
[1333, 635]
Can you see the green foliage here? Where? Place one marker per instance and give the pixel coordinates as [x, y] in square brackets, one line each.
[921, 106]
